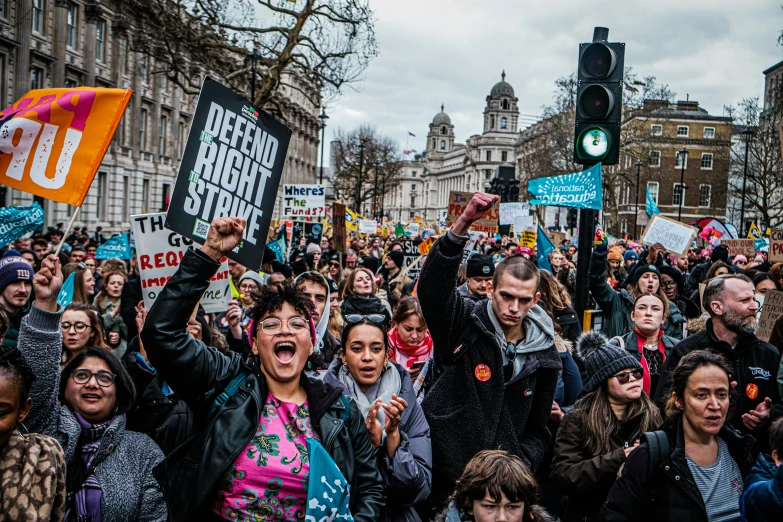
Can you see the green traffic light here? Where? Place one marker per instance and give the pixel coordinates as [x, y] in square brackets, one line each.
[594, 143]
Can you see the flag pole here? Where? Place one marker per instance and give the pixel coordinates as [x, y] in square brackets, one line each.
[67, 229]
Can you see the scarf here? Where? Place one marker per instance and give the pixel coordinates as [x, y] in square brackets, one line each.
[387, 385]
[84, 504]
[405, 354]
[640, 339]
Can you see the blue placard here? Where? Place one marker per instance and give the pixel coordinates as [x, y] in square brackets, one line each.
[544, 246]
[15, 222]
[578, 190]
[650, 205]
[117, 246]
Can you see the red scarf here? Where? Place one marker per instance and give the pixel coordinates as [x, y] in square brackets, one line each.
[640, 338]
[406, 355]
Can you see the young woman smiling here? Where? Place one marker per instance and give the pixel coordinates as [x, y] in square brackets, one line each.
[398, 430]
[254, 422]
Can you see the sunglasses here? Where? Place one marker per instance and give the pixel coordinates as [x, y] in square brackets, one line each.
[356, 318]
[334, 265]
[623, 377]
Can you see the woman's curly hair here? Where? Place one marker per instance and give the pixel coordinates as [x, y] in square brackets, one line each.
[271, 299]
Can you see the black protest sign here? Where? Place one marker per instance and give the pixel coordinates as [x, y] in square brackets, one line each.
[231, 166]
[312, 233]
[410, 250]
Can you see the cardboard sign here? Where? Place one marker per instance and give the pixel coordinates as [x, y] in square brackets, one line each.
[458, 202]
[773, 309]
[776, 246]
[743, 247]
[424, 246]
[160, 251]
[557, 238]
[368, 226]
[338, 227]
[231, 166]
[470, 246]
[304, 200]
[52, 141]
[676, 237]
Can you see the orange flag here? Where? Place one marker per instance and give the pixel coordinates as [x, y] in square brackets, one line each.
[52, 141]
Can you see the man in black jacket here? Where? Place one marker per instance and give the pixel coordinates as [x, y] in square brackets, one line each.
[501, 365]
[730, 301]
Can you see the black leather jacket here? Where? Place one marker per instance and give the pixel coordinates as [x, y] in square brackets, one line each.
[199, 373]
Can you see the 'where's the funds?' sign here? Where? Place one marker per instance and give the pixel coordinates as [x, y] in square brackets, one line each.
[232, 165]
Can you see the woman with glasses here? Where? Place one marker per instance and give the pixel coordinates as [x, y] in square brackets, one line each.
[81, 329]
[332, 270]
[108, 304]
[694, 468]
[673, 285]
[602, 429]
[394, 419]
[83, 282]
[359, 296]
[109, 470]
[256, 423]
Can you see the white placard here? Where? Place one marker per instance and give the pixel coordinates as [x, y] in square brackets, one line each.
[304, 200]
[160, 251]
[511, 211]
[522, 223]
[368, 226]
[676, 237]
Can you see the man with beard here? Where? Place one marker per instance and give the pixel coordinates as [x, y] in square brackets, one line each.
[731, 331]
[16, 287]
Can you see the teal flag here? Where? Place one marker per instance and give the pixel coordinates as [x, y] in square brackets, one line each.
[117, 246]
[65, 296]
[651, 207]
[16, 222]
[328, 493]
[578, 190]
[544, 246]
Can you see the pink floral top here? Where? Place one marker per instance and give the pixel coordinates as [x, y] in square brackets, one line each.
[268, 480]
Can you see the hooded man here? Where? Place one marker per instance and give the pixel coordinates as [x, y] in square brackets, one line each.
[16, 287]
[394, 277]
[479, 272]
[316, 288]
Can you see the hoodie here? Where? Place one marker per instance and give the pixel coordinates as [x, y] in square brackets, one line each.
[323, 322]
[539, 336]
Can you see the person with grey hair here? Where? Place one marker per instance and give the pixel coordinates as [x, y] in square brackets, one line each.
[731, 331]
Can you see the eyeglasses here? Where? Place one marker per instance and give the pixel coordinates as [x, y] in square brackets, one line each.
[740, 262]
[667, 284]
[89, 265]
[356, 318]
[78, 326]
[273, 325]
[102, 377]
[622, 377]
[248, 288]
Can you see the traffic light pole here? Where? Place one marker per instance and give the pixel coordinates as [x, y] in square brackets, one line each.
[587, 219]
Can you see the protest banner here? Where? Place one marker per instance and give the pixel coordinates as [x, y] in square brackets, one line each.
[160, 251]
[458, 202]
[557, 238]
[577, 190]
[528, 239]
[522, 223]
[740, 247]
[368, 226]
[338, 227]
[470, 246]
[413, 229]
[304, 200]
[117, 246]
[411, 254]
[773, 309]
[16, 222]
[776, 246]
[676, 237]
[53, 140]
[231, 166]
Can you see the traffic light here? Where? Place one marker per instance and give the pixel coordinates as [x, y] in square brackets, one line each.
[599, 102]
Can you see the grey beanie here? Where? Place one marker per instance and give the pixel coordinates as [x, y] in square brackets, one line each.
[312, 247]
[253, 276]
[601, 359]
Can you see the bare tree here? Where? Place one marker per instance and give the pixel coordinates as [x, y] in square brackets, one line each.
[329, 43]
[346, 159]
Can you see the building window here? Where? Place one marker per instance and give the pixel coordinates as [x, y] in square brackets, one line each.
[655, 158]
[180, 138]
[503, 155]
[656, 130]
[682, 131]
[487, 174]
[411, 215]
[652, 188]
[706, 161]
[164, 82]
[144, 68]
[166, 197]
[443, 130]
[678, 160]
[709, 132]
[38, 16]
[503, 123]
[36, 78]
[70, 83]
[413, 201]
[705, 196]
[145, 196]
[678, 195]
[413, 186]
[125, 196]
[163, 135]
[442, 144]
[492, 122]
[100, 40]
[100, 196]
[489, 155]
[143, 130]
[72, 22]
[505, 105]
[413, 173]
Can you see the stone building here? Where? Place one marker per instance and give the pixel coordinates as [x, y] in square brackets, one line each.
[67, 43]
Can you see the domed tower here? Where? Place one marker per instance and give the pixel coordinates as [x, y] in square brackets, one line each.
[441, 135]
[501, 113]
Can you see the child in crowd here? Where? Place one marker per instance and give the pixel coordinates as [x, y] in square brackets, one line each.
[763, 496]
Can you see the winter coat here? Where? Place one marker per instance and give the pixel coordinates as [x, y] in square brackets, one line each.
[354, 304]
[125, 459]
[678, 496]
[569, 323]
[199, 374]
[617, 306]
[755, 365]
[569, 382]
[452, 514]
[14, 323]
[114, 324]
[471, 407]
[464, 291]
[762, 499]
[586, 478]
[408, 476]
[130, 297]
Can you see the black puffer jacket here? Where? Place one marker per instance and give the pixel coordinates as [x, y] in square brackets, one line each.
[678, 496]
[198, 373]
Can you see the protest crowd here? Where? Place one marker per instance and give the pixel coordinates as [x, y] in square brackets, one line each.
[351, 384]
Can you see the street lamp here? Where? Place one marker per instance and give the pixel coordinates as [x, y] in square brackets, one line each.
[683, 156]
[636, 217]
[748, 134]
[323, 117]
[383, 193]
[359, 185]
[375, 191]
[253, 57]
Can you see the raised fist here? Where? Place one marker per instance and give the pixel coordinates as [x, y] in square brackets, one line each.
[225, 234]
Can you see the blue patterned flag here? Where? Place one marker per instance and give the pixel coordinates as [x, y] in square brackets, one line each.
[651, 207]
[65, 296]
[278, 249]
[117, 246]
[15, 222]
[544, 246]
[328, 493]
[578, 190]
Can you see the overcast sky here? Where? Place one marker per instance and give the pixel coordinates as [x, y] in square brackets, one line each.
[453, 51]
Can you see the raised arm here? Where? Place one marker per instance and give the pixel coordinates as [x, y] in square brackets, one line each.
[603, 294]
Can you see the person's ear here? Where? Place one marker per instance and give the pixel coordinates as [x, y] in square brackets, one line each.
[24, 410]
[489, 290]
[777, 457]
[678, 402]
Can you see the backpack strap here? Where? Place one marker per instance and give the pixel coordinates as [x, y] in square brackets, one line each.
[619, 340]
[659, 451]
[228, 392]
